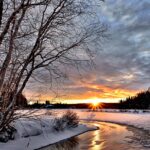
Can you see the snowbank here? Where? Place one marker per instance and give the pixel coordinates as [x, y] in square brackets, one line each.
[38, 132]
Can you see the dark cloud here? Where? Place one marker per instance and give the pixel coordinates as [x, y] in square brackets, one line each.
[128, 50]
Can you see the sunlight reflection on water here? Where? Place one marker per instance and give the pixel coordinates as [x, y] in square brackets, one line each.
[108, 137]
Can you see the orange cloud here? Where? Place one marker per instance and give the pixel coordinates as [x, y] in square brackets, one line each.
[91, 92]
[108, 95]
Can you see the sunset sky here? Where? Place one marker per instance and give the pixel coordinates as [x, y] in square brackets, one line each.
[122, 65]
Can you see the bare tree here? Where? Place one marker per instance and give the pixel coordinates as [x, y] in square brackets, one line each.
[41, 34]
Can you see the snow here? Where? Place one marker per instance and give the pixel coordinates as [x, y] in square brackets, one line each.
[36, 132]
[139, 120]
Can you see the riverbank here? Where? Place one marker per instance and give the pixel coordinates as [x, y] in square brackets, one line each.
[34, 133]
[138, 120]
[67, 138]
[109, 136]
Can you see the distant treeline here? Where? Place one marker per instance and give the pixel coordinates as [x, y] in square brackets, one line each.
[73, 106]
[140, 101]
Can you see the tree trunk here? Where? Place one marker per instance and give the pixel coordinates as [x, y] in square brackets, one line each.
[1, 11]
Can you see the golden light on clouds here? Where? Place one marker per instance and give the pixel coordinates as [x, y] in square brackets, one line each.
[95, 94]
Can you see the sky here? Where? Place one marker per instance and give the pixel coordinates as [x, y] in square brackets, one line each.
[122, 66]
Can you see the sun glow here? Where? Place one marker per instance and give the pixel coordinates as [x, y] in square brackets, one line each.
[95, 105]
[90, 96]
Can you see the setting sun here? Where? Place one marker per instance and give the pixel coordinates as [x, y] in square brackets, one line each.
[95, 105]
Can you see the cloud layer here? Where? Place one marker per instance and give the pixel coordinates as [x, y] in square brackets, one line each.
[123, 64]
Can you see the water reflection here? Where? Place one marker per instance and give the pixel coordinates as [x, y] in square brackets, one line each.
[108, 137]
[70, 144]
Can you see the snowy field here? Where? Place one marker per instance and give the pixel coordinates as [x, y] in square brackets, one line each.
[138, 119]
[35, 132]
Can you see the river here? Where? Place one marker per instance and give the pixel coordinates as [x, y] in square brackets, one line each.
[110, 136]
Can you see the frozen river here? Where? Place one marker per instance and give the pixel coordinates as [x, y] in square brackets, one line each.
[110, 136]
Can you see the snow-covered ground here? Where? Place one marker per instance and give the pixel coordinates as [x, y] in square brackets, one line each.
[37, 132]
[139, 120]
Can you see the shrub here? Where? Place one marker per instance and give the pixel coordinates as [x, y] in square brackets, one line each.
[68, 120]
[7, 134]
